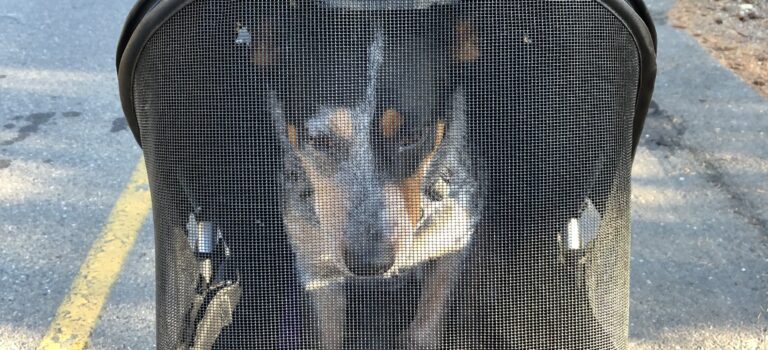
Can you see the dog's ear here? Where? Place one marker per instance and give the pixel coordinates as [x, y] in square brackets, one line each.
[466, 47]
[286, 132]
[265, 51]
[455, 127]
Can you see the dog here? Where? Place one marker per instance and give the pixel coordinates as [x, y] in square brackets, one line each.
[377, 182]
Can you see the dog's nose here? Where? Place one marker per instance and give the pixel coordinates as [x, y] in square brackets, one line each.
[370, 257]
[367, 264]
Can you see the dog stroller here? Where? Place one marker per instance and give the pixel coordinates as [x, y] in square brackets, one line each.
[476, 154]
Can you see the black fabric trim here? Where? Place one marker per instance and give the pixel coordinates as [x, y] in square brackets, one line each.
[643, 30]
[148, 15]
[145, 19]
[138, 11]
[642, 11]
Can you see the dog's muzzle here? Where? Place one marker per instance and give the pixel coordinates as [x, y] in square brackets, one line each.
[369, 257]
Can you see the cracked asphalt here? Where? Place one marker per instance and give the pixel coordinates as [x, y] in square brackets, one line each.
[700, 202]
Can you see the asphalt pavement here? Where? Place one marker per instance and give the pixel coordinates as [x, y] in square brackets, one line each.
[64, 154]
[700, 201]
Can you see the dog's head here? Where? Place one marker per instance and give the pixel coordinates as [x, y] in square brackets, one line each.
[371, 123]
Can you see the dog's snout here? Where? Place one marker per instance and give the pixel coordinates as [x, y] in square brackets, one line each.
[369, 255]
[368, 263]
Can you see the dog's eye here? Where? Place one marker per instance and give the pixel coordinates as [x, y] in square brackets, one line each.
[446, 174]
[433, 194]
[437, 191]
[306, 193]
[323, 143]
[293, 176]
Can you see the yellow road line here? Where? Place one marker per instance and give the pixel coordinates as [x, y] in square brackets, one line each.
[78, 313]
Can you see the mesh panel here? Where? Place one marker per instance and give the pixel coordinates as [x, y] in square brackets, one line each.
[450, 176]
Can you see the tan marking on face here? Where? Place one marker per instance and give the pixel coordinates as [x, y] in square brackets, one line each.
[293, 137]
[466, 45]
[341, 124]
[331, 203]
[411, 190]
[321, 241]
[390, 122]
[315, 251]
[411, 186]
[439, 133]
[396, 217]
[332, 208]
[331, 200]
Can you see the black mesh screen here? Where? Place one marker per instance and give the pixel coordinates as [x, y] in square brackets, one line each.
[390, 174]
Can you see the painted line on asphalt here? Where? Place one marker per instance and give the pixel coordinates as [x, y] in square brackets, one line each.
[78, 313]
